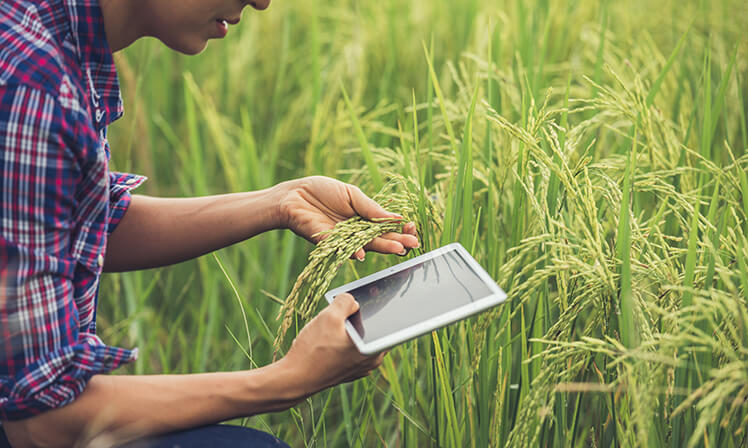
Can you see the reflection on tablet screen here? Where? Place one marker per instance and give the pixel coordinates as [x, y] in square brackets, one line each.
[415, 294]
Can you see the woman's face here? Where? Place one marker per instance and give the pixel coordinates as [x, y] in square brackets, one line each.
[187, 25]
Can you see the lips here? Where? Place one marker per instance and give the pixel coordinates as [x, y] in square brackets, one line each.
[228, 21]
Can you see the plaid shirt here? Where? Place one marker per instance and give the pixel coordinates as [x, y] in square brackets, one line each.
[58, 200]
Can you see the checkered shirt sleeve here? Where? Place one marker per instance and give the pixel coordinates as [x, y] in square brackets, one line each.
[54, 191]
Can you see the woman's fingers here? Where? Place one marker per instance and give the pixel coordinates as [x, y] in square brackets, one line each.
[393, 243]
[408, 240]
[359, 255]
[410, 228]
[386, 246]
[389, 243]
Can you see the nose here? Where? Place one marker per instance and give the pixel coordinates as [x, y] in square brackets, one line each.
[259, 4]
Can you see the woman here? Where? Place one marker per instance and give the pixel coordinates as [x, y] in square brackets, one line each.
[64, 217]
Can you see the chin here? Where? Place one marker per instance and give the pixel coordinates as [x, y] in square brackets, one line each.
[194, 49]
[186, 46]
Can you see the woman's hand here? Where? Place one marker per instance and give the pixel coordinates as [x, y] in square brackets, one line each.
[323, 355]
[314, 204]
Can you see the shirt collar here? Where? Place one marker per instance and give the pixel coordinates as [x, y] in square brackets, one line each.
[97, 62]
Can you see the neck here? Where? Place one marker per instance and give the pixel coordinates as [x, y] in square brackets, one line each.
[123, 21]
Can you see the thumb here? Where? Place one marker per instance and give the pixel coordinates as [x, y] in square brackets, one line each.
[367, 208]
[344, 304]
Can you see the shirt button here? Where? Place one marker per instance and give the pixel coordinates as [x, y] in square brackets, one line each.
[130, 181]
[100, 260]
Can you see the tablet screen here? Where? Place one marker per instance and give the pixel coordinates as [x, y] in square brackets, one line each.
[415, 294]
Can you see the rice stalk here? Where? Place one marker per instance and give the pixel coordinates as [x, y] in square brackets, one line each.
[399, 195]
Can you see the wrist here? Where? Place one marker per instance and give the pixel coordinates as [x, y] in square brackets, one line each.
[280, 194]
[286, 385]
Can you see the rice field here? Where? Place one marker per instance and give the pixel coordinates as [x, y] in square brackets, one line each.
[592, 156]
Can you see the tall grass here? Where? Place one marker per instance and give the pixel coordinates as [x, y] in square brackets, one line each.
[591, 155]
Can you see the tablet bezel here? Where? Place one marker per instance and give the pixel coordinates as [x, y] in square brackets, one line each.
[434, 323]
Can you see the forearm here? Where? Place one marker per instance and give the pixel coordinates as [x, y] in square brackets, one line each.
[162, 231]
[128, 407]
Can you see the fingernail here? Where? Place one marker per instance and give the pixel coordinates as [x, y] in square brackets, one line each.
[404, 252]
[360, 257]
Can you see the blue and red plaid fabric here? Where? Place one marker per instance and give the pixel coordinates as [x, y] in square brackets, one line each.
[58, 201]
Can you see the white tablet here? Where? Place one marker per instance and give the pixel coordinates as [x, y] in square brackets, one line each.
[417, 296]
